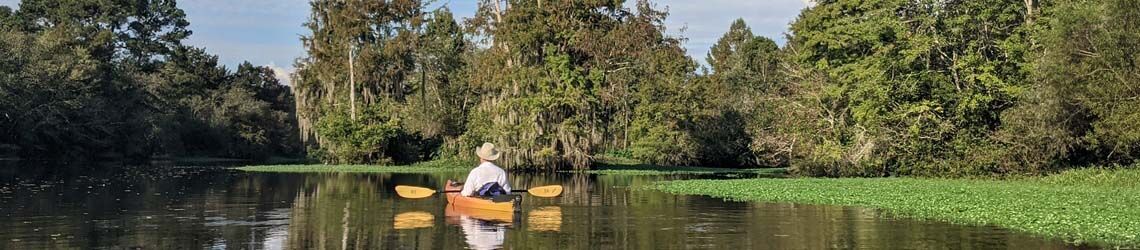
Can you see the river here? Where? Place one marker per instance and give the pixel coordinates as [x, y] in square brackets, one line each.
[216, 208]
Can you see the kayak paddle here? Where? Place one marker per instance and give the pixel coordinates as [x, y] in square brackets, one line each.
[422, 192]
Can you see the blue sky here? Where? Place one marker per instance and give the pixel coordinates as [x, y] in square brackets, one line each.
[266, 32]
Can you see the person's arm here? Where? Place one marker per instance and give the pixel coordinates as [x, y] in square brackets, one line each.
[469, 185]
[503, 181]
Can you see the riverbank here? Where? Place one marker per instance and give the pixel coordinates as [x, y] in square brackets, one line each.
[604, 166]
[1090, 205]
[674, 170]
[435, 166]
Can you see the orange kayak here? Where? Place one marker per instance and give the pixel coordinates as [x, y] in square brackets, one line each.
[455, 199]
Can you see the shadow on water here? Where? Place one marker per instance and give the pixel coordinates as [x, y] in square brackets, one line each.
[178, 207]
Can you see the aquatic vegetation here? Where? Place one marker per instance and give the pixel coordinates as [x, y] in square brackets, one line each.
[667, 170]
[1097, 177]
[608, 165]
[1096, 205]
[446, 165]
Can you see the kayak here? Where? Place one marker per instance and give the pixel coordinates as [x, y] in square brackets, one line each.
[455, 199]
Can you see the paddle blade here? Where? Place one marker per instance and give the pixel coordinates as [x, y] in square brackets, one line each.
[546, 191]
[413, 192]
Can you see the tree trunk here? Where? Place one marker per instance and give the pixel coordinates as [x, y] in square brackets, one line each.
[1029, 6]
[351, 85]
[344, 226]
[499, 21]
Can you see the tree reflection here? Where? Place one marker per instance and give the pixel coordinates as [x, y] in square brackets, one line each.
[178, 208]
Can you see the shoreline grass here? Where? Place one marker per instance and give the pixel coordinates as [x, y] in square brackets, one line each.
[608, 165]
[671, 170]
[434, 166]
[615, 166]
[1085, 206]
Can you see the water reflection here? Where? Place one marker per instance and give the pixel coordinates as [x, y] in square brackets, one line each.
[196, 208]
[481, 229]
[413, 220]
[548, 219]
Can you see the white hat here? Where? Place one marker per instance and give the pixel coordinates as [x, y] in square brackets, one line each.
[487, 152]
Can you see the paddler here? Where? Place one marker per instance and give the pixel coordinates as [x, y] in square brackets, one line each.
[487, 179]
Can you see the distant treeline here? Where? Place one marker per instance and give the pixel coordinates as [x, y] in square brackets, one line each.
[93, 79]
[862, 88]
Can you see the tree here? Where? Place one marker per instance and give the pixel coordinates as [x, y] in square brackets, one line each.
[382, 38]
[110, 79]
[863, 88]
[440, 99]
[140, 30]
[6, 17]
[730, 44]
[562, 81]
[47, 106]
[1085, 108]
[910, 84]
[276, 120]
[747, 81]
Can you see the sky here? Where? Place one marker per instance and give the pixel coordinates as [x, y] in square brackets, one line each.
[267, 32]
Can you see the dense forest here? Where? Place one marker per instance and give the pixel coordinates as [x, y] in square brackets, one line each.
[860, 88]
[84, 79]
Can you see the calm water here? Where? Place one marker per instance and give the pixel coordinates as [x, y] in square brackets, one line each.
[180, 208]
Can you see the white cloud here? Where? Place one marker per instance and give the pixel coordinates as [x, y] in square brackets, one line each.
[282, 74]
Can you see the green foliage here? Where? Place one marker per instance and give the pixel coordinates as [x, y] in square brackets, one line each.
[1089, 64]
[558, 82]
[407, 69]
[364, 140]
[6, 17]
[143, 29]
[1097, 177]
[434, 166]
[620, 154]
[1082, 206]
[624, 166]
[438, 107]
[110, 79]
[732, 44]
[544, 79]
[745, 90]
[659, 130]
[661, 145]
[49, 105]
[906, 87]
[243, 125]
[863, 88]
